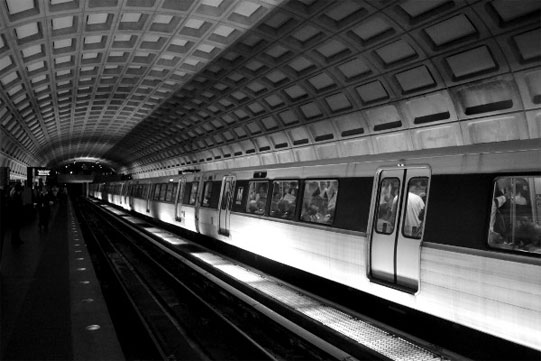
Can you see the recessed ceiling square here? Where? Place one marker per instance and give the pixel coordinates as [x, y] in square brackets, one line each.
[191, 61]
[450, 30]
[37, 79]
[18, 6]
[224, 31]
[62, 72]
[63, 43]
[194, 24]
[31, 50]
[27, 30]
[179, 41]
[206, 48]
[397, 51]
[162, 19]
[35, 66]
[471, 62]
[213, 3]
[62, 22]
[93, 39]
[130, 18]
[371, 28]
[9, 78]
[94, 19]
[246, 8]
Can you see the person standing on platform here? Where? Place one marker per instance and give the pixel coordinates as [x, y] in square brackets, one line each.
[44, 203]
[16, 212]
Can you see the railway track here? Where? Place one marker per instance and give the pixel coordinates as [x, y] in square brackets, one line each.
[186, 313]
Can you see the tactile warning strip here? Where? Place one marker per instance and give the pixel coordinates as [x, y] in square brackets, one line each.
[133, 220]
[115, 211]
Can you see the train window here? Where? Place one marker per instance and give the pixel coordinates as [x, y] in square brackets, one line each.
[156, 195]
[171, 192]
[168, 191]
[238, 196]
[187, 191]
[144, 190]
[193, 193]
[284, 199]
[163, 190]
[515, 217]
[386, 212]
[207, 191]
[415, 208]
[319, 201]
[257, 197]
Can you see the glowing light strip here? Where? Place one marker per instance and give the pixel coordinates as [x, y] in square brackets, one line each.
[114, 210]
[162, 234]
[166, 236]
[134, 220]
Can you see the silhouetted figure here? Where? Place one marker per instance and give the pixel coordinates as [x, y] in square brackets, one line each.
[16, 212]
[44, 202]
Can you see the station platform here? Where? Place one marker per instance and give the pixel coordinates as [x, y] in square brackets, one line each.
[52, 307]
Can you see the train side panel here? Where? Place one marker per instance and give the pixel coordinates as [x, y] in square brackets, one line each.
[493, 295]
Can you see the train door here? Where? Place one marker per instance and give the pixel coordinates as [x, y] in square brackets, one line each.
[178, 199]
[149, 190]
[224, 208]
[397, 226]
[198, 191]
[131, 194]
[121, 192]
[125, 192]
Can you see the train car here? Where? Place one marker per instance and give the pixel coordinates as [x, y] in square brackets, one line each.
[453, 232]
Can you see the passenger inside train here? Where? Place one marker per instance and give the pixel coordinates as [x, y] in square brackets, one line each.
[206, 194]
[515, 219]
[193, 194]
[386, 212]
[319, 201]
[257, 197]
[415, 207]
[284, 199]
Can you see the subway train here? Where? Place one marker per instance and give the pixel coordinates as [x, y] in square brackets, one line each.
[452, 232]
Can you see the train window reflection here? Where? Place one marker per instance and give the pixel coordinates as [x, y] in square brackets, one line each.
[319, 201]
[284, 197]
[515, 217]
[386, 212]
[226, 199]
[206, 194]
[193, 193]
[257, 197]
[415, 208]
[238, 198]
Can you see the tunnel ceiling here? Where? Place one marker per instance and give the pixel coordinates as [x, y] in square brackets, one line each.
[78, 76]
[153, 85]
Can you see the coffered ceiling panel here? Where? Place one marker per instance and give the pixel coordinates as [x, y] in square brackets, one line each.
[151, 85]
[77, 76]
